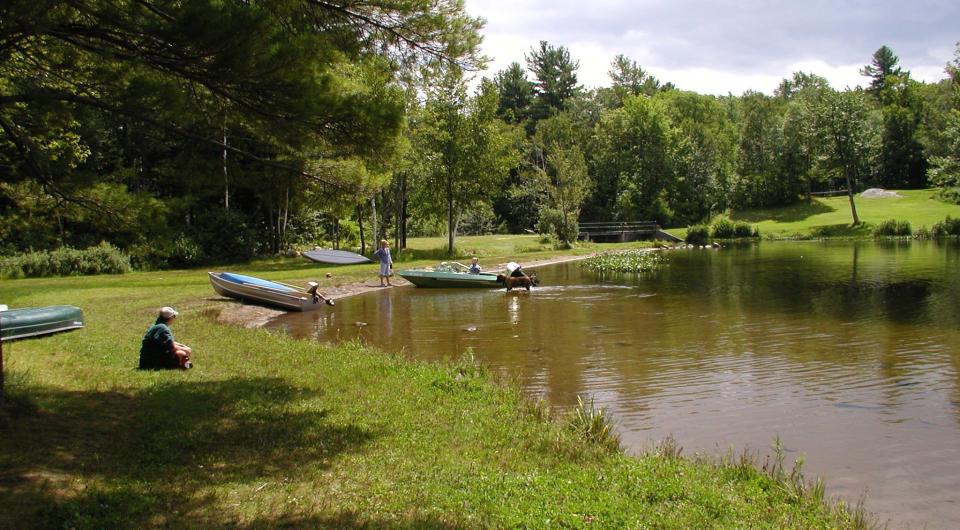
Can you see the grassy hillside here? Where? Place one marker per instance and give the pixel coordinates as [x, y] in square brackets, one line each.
[267, 431]
[831, 216]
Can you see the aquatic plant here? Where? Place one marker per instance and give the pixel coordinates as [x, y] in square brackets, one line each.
[593, 425]
[625, 261]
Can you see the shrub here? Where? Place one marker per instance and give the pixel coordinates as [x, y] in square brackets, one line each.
[949, 195]
[893, 227]
[744, 230]
[947, 227]
[723, 229]
[101, 259]
[349, 234]
[922, 233]
[698, 235]
[477, 221]
[552, 223]
[184, 252]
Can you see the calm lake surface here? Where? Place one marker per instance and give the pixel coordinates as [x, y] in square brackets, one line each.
[849, 352]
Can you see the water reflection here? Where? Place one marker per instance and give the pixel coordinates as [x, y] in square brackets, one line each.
[848, 352]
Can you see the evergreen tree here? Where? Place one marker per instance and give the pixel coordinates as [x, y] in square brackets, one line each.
[516, 93]
[555, 78]
[629, 79]
[884, 64]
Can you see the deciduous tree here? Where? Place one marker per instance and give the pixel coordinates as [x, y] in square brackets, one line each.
[849, 138]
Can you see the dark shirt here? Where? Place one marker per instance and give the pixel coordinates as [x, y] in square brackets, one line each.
[157, 348]
[517, 273]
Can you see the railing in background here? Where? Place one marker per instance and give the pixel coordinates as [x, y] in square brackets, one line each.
[610, 232]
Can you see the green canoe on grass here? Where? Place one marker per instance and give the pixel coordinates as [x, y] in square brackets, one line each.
[450, 274]
[33, 321]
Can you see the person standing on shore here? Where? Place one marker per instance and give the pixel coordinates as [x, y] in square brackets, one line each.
[386, 262]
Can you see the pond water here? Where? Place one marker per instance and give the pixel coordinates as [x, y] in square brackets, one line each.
[848, 352]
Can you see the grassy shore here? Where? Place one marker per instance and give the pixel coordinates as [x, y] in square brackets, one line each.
[831, 217]
[270, 432]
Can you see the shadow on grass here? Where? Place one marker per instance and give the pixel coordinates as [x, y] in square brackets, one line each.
[109, 460]
[790, 214]
[354, 521]
[840, 230]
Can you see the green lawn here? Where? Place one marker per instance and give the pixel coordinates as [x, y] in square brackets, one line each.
[271, 432]
[831, 216]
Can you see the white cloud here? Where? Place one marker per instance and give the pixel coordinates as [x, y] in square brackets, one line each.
[729, 47]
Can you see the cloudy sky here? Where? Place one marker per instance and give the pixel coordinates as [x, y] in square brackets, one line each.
[725, 46]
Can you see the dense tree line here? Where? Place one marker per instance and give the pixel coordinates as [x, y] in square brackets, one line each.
[304, 122]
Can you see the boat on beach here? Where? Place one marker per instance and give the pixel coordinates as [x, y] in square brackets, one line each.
[252, 289]
[35, 321]
[450, 274]
[335, 257]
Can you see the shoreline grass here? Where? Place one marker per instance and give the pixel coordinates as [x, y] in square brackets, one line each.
[269, 431]
[829, 217]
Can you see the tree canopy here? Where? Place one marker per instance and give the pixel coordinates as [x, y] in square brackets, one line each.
[301, 122]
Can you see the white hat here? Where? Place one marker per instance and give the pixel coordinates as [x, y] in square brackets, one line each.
[167, 313]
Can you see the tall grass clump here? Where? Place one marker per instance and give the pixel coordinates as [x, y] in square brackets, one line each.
[947, 227]
[698, 235]
[893, 227]
[723, 229]
[593, 425]
[101, 259]
[726, 229]
[745, 230]
[626, 261]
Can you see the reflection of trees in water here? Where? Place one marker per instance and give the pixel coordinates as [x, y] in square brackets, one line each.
[849, 282]
[822, 314]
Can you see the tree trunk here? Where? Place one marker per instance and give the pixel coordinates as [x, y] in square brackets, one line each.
[336, 233]
[373, 210]
[853, 206]
[450, 228]
[3, 395]
[286, 219]
[396, 218]
[226, 180]
[363, 241]
[403, 212]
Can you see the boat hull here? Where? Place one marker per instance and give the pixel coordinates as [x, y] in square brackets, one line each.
[423, 278]
[36, 321]
[256, 290]
[335, 257]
